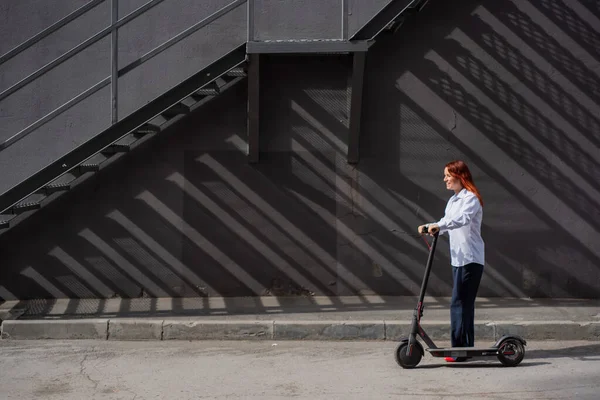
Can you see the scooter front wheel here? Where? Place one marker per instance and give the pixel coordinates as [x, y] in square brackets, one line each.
[404, 359]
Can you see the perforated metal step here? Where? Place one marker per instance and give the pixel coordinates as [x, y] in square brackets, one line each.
[209, 90]
[239, 71]
[177, 109]
[147, 129]
[5, 220]
[26, 206]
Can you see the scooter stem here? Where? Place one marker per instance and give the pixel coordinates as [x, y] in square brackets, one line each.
[428, 269]
[418, 312]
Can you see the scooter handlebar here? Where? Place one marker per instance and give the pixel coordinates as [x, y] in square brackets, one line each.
[426, 231]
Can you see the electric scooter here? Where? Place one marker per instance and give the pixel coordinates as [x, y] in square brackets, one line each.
[509, 349]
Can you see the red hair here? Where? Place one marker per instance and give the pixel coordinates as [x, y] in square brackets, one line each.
[458, 169]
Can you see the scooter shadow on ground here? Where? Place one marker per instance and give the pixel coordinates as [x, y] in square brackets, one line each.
[588, 352]
[492, 363]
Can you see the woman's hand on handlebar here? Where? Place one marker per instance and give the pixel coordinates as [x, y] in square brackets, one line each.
[433, 229]
[430, 229]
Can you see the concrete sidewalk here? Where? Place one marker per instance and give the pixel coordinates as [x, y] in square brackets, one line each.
[291, 318]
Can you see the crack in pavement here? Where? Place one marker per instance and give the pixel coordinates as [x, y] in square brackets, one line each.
[82, 371]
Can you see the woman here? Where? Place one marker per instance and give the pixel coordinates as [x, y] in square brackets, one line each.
[462, 221]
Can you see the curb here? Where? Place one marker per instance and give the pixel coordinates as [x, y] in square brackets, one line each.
[185, 329]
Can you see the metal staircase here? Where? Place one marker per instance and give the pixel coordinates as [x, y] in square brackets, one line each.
[123, 135]
[148, 121]
[89, 158]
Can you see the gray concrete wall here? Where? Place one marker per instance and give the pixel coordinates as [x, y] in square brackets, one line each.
[276, 19]
[17, 24]
[509, 86]
[307, 19]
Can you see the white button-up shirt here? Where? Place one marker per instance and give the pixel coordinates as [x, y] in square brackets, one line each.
[462, 221]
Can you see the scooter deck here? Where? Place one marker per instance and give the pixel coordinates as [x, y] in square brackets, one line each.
[463, 352]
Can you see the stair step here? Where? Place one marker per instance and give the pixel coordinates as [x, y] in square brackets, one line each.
[227, 79]
[116, 148]
[158, 120]
[60, 184]
[89, 167]
[209, 90]
[147, 129]
[26, 206]
[92, 164]
[31, 202]
[57, 187]
[177, 109]
[5, 220]
[238, 71]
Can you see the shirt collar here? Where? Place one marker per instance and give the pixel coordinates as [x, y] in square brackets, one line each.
[461, 194]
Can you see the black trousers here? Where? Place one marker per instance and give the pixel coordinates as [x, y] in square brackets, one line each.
[462, 306]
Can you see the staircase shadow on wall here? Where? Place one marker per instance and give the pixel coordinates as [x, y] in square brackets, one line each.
[542, 258]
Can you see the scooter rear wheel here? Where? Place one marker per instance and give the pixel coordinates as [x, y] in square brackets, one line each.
[511, 352]
[405, 360]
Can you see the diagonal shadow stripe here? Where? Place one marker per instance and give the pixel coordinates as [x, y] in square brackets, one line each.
[496, 173]
[564, 17]
[592, 6]
[515, 105]
[536, 37]
[534, 78]
[509, 142]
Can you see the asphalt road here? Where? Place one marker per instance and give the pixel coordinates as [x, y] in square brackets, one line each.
[269, 370]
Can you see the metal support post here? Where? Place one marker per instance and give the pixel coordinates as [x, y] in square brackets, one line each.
[115, 61]
[356, 86]
[345, 10]
[253, 106]
[250, 16]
